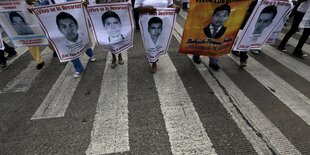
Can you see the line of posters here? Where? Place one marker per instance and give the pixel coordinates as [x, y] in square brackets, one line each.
[21, 26]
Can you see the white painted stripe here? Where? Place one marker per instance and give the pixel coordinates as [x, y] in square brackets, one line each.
[233, 99]
[186, 132]
[296, 66]
[24, 80]
[20, 51]
[57, 100]
[287, 94]
[294, 42]
[110, 129]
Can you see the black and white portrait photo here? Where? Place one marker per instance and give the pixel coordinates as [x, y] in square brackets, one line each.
[19, 23]
[265, 19]
[112, 24]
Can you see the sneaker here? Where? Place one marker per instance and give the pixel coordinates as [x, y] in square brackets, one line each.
[10, 56]
[196, 59]
[40, 65]
[3, 64]
[255, 51]
[282, 49]
[300, 54]
[92, 59]
[77, 75]
[243, 64]
[216, 67]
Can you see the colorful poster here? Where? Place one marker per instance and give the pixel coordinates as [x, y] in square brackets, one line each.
[305, 23]
[21, 26]
[211, 26]
[66, 27]
[113, 26]
[266, 17]
[157, 32]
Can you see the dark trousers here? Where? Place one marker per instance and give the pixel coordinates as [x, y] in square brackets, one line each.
[135, 14]
[7, 49]
[297, 19]
[243, 56]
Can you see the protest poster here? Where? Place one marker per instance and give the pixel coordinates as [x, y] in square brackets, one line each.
[211, 26]
[263, 22]
[156, 31]
[113, 26]
[305, 23]
[66, 27]
[21, 26]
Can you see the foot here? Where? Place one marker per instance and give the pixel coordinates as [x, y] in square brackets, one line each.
[282, 49]
[120, 59]
[216, 67]
[255, 51]
[3, 64]
[153, 69]
[196, 59]
[299, 53]
[40, 65]
[54, 54]
[243, 64]
[77, 75]
[10, 56]
[92, 59]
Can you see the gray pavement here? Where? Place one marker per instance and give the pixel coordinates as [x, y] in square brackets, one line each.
[261, 109]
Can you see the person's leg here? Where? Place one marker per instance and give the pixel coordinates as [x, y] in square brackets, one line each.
[36, 55]
[297, 19]
[120, 59]
[90, 54]
[113, 65]
[2, 59]
[52, 48]
[10, 50]
[78, 66]
[302, 40]
[184, 6]
[213, 63]
[154, 67]
[135, 15]
[196, 59]
[243, 58]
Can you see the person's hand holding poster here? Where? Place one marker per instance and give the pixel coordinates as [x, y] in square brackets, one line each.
[113, 26]
[157, 31]
[66, 26]
[211, 27]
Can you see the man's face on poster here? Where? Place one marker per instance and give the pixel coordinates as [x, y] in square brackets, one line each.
[68, 28]
[264, 20]
[219, 18]
[113, 26]
[155, 29]
[19, 25]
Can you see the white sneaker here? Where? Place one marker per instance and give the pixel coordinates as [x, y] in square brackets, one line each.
[255, 51]
[92, 59]
[77, 75]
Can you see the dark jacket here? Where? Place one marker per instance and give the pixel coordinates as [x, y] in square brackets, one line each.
[208, 33]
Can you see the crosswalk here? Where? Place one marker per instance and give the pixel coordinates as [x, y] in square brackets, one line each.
[184, 108]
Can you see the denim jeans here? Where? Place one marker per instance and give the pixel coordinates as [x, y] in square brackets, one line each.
[77, 64]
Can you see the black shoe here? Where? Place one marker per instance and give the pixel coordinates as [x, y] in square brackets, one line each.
[216, 67]
[54, 54]
[10, 56]
[236, 53]
[299, 53]
[40, 65]
[3, 64]
[196, 59]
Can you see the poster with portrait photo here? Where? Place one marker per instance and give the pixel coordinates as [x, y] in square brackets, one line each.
[263, 22]
[21, 26]
[66, 27]
[113, 26]
[305, 23]
[211, 27]
[156, 31]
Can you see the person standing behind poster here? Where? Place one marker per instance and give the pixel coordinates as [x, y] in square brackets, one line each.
[149, 7]
[112, 24]
[301, 10]
[215, 30]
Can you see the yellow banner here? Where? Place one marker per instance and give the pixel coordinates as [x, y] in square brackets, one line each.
[212, 25]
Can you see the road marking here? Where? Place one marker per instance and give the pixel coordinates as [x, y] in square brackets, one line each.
[110, 129]
[294, 65]
[287, 94]
[57, 100]
[186, 132]
[24, 80]
[239, 106]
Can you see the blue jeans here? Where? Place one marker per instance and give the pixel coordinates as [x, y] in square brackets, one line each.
[77, 64]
